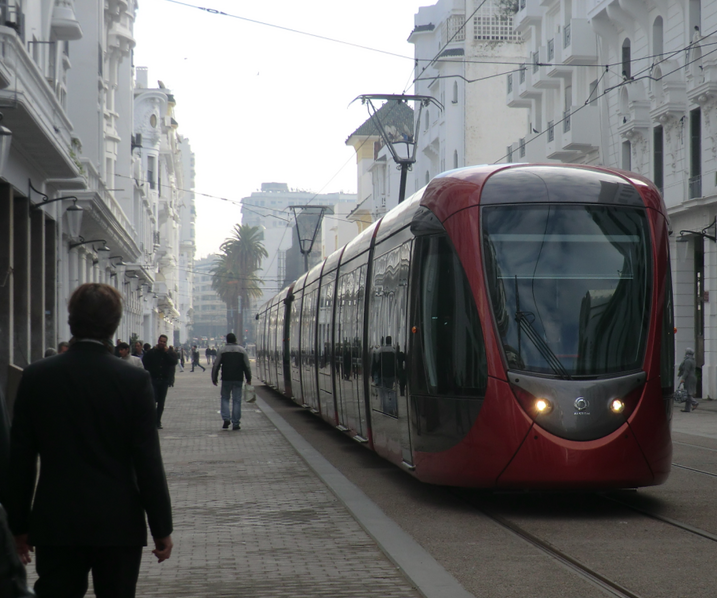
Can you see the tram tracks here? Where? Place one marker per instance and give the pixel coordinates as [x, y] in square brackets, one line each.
[592, 576]
[581, 569]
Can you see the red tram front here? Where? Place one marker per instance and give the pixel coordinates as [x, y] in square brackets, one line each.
[507, 327]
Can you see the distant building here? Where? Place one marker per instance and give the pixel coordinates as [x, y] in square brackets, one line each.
[270, 209]
[209, 311]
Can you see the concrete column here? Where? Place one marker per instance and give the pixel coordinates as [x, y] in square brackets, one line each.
[6, 282]
[82, 267]
[37, 285]
[22, 289]
[52, 283]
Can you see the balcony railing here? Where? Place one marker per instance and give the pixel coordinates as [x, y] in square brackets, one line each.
[566, 121]
[510, 83]
[566, 36]
[521, 148]
[551, 50]
[536, 61]
[551, 131]
[695, 185]
[522, 73]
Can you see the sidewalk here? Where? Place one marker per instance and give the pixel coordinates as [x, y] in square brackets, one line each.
[250, 517]
[699, 422]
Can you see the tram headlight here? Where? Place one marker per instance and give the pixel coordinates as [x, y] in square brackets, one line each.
[543, 406]
[617, 405]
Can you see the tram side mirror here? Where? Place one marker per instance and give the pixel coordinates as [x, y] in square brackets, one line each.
[425, 222]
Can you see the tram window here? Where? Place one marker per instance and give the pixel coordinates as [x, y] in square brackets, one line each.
[570, 286]
[448, 356]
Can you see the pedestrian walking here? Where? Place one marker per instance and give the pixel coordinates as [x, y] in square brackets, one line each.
[687, 373]
[208, 355]
[90, 419]
[137, 349]
[195, 359]
[131, 359]
[180, 354]
[160, 362]
[233, 361]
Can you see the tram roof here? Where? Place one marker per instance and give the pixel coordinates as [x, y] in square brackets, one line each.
[459, 189]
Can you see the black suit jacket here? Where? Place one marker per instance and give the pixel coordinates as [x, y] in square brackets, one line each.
[91, 419]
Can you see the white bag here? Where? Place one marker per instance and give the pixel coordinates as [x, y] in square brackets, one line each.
[249, 393]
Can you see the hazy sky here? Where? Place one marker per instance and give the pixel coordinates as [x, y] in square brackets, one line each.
[260, 103]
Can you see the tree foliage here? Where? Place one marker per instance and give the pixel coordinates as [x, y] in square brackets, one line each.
[234, 273]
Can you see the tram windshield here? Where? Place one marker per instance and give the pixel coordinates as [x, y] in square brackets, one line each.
[570, 286]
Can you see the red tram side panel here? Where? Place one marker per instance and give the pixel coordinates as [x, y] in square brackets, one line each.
[473, 338]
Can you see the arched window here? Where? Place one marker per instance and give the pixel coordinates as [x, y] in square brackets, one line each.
[428, 178]
[626, 60]
[657, 39]
[425, 122]
[455, 158]
[455, 92]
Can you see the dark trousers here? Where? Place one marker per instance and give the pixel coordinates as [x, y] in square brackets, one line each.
[63, 571]
[160, 395]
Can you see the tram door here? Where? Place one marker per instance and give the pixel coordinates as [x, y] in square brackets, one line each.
[388, 335]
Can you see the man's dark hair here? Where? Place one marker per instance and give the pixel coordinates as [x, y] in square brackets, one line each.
[164, 336]
[123, 346]
[95, 311]
[231, 337]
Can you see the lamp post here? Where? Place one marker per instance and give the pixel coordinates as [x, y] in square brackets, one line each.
[74, 213]
[308, 221]
[401, 141]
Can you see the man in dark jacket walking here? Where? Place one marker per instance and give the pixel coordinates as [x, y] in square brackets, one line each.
[233, 361]
[160, 362]
[90, 418]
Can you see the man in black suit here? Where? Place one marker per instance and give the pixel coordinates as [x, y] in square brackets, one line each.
[160, 362]
[91, 419]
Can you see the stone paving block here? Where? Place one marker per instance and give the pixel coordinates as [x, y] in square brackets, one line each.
[250, 517]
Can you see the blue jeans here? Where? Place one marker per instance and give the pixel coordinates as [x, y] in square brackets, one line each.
[231, 388]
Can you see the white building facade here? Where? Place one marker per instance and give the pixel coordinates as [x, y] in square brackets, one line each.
[633, 85]
[462, 47]
[67, 99]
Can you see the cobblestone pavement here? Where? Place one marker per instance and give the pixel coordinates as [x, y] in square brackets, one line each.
[250, 517]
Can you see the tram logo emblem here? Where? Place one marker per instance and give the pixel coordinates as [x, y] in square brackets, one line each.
[581, 404]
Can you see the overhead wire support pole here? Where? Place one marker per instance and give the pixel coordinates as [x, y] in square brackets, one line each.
[409, 138]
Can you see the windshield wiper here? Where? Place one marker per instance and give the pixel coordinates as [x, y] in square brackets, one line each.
[525, 323]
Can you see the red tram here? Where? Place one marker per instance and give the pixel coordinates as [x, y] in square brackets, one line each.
[508, 326]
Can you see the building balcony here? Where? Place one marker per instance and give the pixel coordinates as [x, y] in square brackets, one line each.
[579, 42]
[581, 129]
[556, 67]
[41, 129]
[526, 89]
[540, 72]
[512, 97]
[529, 13]
[635, 120]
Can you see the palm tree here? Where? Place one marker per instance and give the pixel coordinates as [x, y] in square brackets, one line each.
[234, 274]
